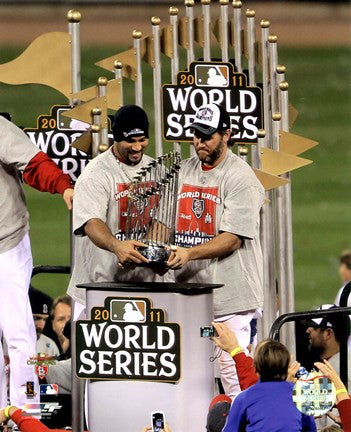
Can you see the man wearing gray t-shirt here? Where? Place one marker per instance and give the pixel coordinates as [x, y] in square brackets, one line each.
[20, 160]
[100, 209]
[217, 229]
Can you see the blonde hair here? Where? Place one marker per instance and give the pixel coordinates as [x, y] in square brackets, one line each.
[271, 360]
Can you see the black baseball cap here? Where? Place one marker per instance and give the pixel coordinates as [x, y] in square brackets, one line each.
[130, 121]
[324, 321]
[210, 118]
[40, 302]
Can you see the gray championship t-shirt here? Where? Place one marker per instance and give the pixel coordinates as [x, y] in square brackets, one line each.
[101, 192]
[227, 198]
[16, 150]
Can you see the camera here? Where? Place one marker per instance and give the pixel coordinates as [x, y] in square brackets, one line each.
[208, 331]
[157, 421]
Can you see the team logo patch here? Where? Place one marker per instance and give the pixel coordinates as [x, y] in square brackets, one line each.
[41, 371]
[206, 114]
[198, 207]
[135, 131]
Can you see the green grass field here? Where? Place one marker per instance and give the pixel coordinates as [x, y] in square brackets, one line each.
[319, 87]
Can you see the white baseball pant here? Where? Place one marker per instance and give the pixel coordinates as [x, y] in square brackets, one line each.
[16, 322]
[240, 325]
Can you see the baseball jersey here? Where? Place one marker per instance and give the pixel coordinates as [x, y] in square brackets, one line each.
[16, 151]
[226, 198]
[20, 157]
[101, 192]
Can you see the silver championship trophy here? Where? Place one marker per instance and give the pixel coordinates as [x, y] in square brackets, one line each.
[152, 206]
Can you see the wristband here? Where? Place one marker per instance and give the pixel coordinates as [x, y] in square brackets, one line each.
[6, 411]
[342, 390]
[235, 351]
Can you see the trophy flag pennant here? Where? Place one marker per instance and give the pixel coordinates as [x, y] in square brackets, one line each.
[183, 32]
[47, 60]
[113, 91]
[86, 94]
[128, 59]
[84, 142]
[83, 112]
[277, 163]
[199, 31]
[269, 181]
[216, 30]
[258, 55]
[166, 41]
[147, 50]
[293, 114]
[294, 144]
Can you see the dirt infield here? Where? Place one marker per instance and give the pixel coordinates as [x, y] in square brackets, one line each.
[293, 23]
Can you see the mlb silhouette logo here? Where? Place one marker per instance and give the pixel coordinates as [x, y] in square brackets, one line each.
[128, 310]
[48, 389]
[212, 75]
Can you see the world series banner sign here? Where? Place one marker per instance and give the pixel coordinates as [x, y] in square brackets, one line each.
[128, 340]
[54, 135]
[213, 82]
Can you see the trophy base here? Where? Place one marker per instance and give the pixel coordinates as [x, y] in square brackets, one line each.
[157, 255]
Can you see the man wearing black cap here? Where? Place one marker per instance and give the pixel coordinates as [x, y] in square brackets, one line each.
[325, 334]
[100, 209]
[217, 229]
[41, 305]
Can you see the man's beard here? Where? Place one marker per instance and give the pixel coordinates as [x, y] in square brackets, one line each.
[211, 158]
[315, 350]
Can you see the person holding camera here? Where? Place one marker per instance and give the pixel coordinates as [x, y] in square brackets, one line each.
[247, 376]
[268, 405]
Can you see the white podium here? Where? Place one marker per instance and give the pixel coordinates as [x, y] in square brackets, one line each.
[155, 360]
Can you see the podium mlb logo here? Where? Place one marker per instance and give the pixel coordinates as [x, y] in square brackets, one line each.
[128, 310]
